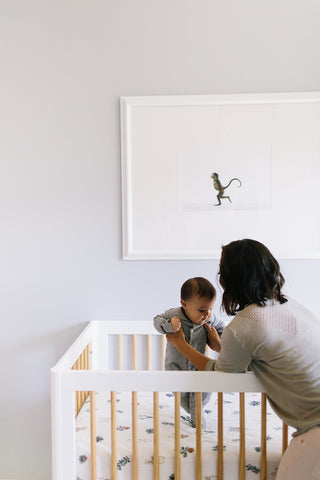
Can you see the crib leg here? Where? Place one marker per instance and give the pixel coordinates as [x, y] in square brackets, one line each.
[63, 431]
[284, 437]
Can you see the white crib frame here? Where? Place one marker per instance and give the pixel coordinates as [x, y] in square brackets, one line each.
[65, 381]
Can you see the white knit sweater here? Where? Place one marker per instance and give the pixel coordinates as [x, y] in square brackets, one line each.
[281, 342]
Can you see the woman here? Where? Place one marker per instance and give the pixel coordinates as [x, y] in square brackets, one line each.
[279, 339]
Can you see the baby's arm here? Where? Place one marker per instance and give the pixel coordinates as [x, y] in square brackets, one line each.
[165, 323]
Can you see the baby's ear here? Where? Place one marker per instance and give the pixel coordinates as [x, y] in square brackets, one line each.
[183, 303]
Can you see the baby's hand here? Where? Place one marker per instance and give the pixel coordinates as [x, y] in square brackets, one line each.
[176, 324]
[213, 338]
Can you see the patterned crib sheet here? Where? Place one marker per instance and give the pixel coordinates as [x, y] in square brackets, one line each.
[166, 420]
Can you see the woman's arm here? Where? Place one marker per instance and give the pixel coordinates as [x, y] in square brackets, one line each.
[196, 358]
[234, 357]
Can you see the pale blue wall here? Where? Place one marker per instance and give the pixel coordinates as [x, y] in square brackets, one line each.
[64, 65]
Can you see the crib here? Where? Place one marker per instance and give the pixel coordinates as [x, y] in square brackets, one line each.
[120, 366]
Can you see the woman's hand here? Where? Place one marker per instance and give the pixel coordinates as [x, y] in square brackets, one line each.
[177, 339]
[213, 338]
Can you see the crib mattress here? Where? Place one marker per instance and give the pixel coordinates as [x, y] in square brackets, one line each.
[166, 419]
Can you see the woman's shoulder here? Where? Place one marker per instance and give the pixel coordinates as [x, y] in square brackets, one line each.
[253, 314]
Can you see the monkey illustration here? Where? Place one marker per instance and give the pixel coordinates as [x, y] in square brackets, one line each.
[217, 185]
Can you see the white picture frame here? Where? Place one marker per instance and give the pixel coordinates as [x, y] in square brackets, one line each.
[170, 146]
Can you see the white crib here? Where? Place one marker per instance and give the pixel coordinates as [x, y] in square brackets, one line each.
[118, 356]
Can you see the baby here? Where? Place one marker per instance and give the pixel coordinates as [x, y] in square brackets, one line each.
[197, 322]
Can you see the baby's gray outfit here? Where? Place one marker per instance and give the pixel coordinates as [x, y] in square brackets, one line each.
[196, 336]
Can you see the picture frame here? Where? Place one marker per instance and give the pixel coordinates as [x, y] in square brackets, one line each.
[172, 145]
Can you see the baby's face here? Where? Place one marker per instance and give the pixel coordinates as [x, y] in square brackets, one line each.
[198, 309]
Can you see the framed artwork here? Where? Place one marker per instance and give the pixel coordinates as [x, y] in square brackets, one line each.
[200, 171]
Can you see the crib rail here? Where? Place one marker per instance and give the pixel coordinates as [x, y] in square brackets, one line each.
[74, 379]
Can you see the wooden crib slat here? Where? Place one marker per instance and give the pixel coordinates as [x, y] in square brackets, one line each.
[263, 458]
[156, 459]
[77, 403]
[114, 474]
[82, 393]
[87, 357]
[88, 364]
[177, 436]
[242, 459]
[284, 437]
[76, 366]
[135, 465]
[93, 435]
[82, 363]
[82, 360]
[220, 436]
[198, 436]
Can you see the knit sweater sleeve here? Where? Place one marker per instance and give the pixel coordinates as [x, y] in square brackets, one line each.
[234, 356]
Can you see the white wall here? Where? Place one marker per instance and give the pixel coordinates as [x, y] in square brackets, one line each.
[64, 64]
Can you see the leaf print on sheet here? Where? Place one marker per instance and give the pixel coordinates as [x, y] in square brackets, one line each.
[121, 428]
[186, 419]
[258, 449]
[122, 462]
[144, 417]
[253, 468]
[215, 448]
[185, 450]
[83, 458]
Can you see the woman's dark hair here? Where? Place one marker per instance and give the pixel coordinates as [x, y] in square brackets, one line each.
[197, 287]
[249, 274]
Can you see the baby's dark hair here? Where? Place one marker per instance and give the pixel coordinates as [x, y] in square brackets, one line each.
[197, 287]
